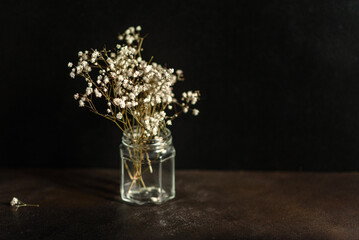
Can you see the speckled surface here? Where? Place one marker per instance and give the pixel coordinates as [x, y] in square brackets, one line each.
[85, 204]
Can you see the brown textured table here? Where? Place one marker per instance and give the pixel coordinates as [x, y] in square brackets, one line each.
[85, 204]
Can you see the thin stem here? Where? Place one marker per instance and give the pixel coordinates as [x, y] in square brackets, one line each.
[128, 170]
[149, 162]
[133, 181]
[28, 205]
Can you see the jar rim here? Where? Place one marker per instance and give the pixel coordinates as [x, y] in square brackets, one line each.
[165, 138]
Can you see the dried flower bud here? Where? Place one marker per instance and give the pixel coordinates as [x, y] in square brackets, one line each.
[119, 115]
[97, 93]
[117, 101]
[14, 201]
[81, 103]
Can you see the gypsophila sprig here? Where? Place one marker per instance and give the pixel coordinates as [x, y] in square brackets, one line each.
[137, 93]
[15, 202]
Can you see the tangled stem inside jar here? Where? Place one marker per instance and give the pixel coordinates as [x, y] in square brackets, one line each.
[137, 174]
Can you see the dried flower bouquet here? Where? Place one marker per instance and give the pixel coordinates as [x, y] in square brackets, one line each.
[137, 95]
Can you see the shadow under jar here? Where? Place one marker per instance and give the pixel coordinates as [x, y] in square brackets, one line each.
[147, 168]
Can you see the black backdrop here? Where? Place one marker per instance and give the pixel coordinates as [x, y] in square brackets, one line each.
[279, 81]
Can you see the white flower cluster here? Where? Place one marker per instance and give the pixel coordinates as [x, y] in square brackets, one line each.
[14, 201]
[130, 85]
[130, 35]
[152, 123]
[190, 97]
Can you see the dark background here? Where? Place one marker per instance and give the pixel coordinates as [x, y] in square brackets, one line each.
[279, 81]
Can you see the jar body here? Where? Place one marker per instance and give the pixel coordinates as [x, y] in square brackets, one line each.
[147, 171]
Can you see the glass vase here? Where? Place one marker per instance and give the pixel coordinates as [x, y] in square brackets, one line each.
[147, 169]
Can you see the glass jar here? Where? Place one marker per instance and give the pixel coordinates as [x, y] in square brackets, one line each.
[147, 169]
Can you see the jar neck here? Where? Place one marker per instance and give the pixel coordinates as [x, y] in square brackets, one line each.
[135, 138]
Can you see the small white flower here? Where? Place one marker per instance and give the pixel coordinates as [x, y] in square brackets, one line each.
[147, 99]
[130, 39]
[97, 93]
[89, 90]
[185, 109]
[158, 99]
[76, 96]
[162, 114]
[85, 64]
[128, 104]
[81, 103]
[70, 64]
[169, 122]
[117, 101]
[119, 115]
[138, 28]
[109, 110]
[95, 54]
[195, 112]
[148, 68]
[154, 131]
[14, 201]
[79, 69]
[72, 74]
